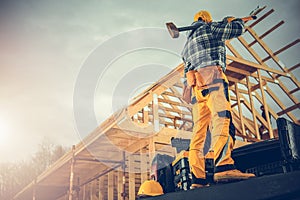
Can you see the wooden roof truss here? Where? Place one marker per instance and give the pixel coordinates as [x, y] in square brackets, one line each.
[115, 158]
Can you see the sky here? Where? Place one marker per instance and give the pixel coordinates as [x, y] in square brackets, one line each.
[65, 66]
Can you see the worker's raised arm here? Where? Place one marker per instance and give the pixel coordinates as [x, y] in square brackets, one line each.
[226, 30]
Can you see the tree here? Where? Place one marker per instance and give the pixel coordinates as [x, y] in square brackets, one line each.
[15, 176]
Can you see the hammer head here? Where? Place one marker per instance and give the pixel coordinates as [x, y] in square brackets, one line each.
[173, 30]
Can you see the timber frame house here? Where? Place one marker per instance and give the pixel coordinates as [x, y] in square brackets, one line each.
[112, 161]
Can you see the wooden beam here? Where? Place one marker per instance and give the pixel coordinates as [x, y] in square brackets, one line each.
[290, 69]
[258, 66]
[144, 163]
[281, 50]
[252, 106]
[289, 109]
[174, 103]
[246, 73]
[151, 148]
[110, 185]
[269, 127]
[155, 113]
[238, 97]
[131, 180]
[120, 184]
[237, 70]
[294, 67]
[256, 56]
[257, 86]
[273, 113]
[277, 61]
[267, 32]
[71, 184]
[294, 90]
[280, 104]
[158, 88]
[145, 112]
[262, 18]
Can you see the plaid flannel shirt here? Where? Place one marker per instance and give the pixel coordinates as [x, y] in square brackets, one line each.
[205, 45]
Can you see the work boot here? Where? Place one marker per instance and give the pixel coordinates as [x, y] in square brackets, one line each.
[194, 186]
[232, 175]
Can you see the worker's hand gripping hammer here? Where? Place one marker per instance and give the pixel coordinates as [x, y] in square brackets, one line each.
[174, 30]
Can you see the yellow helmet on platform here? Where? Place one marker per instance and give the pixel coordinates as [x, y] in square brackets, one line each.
[204, 15]
[150, 188]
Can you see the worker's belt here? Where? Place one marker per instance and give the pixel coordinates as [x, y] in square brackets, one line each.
[204, 77]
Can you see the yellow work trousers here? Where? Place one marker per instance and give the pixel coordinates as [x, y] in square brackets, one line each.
[211, 110]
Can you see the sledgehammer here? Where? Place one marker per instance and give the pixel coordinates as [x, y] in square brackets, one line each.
[174, 31]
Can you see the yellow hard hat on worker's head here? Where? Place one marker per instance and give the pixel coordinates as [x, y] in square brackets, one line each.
[204, 15]
[150, 188]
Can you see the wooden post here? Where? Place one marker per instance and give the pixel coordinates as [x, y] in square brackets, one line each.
[155, 112]
[143, 158]
[265, 104]
[101, 185]
[78, 189]
[72, 174]
[120, 184]
[110, 185]
[240, 109]
[91, 189]
[84, 192]
[124, 177]
[252, 107]
[145, 115]
[151, 148]
[132, 194]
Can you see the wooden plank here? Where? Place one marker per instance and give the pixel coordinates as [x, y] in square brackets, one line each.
[131, 180]
[269, 126]
[258, 66]
[72, 174]
[257, 86]
[255, 55]
[151, 148]
[84, 192]
[294, 67]
[101, 188]
[280, 104]
[176, 110]
[289, 109]
[145, 112]
[158, 88]
[294, 90]
[144, 164]
[248, 126]
[120, 185]
[155, 112]
[267, 33]
[261, 18]
[238, 97]
[258, 116]
[110, 185]
[174, 103]
[281, 50]
[278, 62]
[252, 106]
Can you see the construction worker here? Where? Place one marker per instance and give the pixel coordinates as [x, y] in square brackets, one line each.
[149, 188]
[204, 56]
